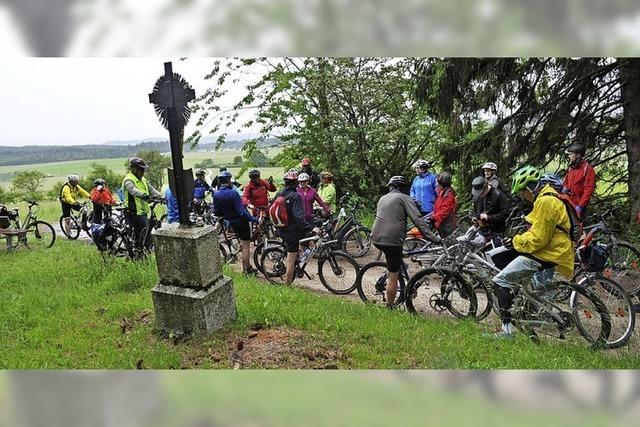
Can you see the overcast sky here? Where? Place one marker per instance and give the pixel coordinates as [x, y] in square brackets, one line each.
[85, 101]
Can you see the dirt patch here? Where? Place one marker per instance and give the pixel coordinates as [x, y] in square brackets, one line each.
[261, 348]
[142, 318]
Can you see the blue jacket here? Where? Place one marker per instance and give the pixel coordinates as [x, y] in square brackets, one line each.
[228, 205]
[172, 207]
[423, 189]
[200, 189]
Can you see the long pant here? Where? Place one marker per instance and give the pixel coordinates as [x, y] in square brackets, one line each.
[514, 274]
[100, 212]
[139, 223]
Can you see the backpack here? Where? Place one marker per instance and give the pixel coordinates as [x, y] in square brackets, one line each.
[575, 226]
[278, 211]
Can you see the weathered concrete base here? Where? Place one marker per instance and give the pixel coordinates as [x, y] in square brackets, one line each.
[194, 310]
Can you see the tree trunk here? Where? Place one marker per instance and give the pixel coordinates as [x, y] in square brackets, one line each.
[630, 76]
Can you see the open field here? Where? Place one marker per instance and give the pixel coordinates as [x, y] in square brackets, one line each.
[58, 171]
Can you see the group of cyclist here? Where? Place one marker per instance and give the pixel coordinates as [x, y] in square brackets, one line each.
[428, 201]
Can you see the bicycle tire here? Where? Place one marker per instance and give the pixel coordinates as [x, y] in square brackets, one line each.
[274, 263]
[74, 229]
[37, 239]
[619, 306]
[484, 298]
[371, 283]
[623, 266]
[257, 252]
[357, 242]
[454, 293]
[341, 264]
[587, 310]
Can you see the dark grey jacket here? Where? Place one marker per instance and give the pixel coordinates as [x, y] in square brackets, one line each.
[390, 226]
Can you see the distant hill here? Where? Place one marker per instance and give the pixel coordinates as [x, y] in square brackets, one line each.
[113, 149]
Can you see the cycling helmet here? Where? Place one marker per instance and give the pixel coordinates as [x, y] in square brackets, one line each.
[397, 181]
[444, 179]
[254, 173]
[98, 181]
[224, 177]
[553, 180]
[306, 161]
[303, 177]
[222, 169]
[138, 163]
[490, 165]
[576, 148]
[524, 176]
[73, 178]
[477, 185]
[291, 177]
[201, 172]
[422, 164]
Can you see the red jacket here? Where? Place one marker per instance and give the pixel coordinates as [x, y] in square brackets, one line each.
[444, 210]
[103, 197]
[257, 194]
[580, 183]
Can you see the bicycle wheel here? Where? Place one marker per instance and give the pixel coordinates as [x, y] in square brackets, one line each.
[40, 235]
[74, 228]
[483, 293]
[619, 307]
[357, 242]
[371, 283]
[590, 315]
[274, 264]
[440, 289]
[623, 266]
[257, 252]
[338, 271]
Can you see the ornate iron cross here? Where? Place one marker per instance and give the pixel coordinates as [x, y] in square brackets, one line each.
[170, 98]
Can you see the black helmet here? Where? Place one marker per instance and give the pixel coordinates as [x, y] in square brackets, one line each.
[98, 181]
[138, 163]
[576, 148]
[254, 173]
[222, 169]
[444, 179]
[397, 181]
[201, 172]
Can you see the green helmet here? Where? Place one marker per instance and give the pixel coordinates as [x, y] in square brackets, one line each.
[524, 176]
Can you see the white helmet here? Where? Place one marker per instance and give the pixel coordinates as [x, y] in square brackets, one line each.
[490, 165]
[303, 177]
[73, 178]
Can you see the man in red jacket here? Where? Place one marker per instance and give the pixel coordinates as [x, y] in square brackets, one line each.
[256, 193]
[443, 216]
[580, 181]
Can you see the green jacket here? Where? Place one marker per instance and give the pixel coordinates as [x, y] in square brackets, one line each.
[327, 192]
[134, 202]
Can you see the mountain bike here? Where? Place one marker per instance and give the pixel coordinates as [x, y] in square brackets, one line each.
[353, 237]
[337, 270]
[78, 222]
[37, 234]
[262, 235]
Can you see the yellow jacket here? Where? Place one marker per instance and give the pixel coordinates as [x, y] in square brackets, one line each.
[69, 195]
[544, 240]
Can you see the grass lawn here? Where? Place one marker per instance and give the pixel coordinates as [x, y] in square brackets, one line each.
[64, 308]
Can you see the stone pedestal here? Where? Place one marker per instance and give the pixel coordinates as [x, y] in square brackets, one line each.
[193, 295]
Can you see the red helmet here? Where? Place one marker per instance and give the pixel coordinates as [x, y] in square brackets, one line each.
[306, 161]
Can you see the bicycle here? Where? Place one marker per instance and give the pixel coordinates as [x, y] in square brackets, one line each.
[262, 237]
[153, 223]
[335, 267]
[353, 237]
[78, 222]
[44, 235]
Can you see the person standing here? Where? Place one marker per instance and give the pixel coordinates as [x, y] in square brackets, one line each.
[443, 216]
[327, 190]
[256, 193]
[490, 171]
[491, 209]
[309, 195]
[314, 179]
[102, 201]
[138, 194]
[580, 180]
[228, 205]
[423, 188]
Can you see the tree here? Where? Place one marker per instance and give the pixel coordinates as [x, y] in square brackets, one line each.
[205, 164]
[357, 117]
[6, 196]
[515, 111]
[237, 160]
[158, 164]
[27, 184]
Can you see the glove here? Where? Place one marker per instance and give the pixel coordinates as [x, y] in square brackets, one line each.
[579, 210]
[507, 242]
